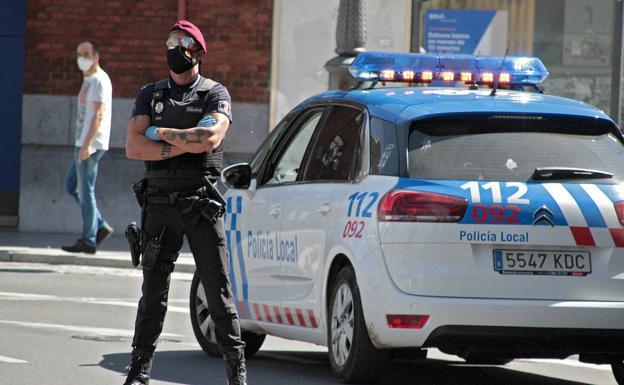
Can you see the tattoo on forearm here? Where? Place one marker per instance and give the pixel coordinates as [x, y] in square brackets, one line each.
[166, 151]
[188, 137]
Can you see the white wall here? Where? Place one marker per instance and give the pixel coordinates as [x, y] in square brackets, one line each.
[305, 39]
[48, 125]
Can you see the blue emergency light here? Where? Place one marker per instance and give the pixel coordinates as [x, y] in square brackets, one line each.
[470, 69]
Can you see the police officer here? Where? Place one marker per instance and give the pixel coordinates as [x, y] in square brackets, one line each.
[177, 127]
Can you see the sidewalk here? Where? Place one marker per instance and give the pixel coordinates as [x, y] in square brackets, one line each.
[18, 246]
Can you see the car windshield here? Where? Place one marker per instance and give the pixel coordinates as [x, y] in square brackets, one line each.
[514, 148]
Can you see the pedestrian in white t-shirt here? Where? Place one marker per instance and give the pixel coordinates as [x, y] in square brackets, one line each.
[93, 125]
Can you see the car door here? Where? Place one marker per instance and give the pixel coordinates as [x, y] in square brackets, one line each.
[310, 212]
[252, 274]
[257, 245]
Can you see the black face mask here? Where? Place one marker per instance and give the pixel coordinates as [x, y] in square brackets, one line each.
[178, 61]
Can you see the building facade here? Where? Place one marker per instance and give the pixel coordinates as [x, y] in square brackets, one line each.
[575, 39]
[270, 54]
[132, 37]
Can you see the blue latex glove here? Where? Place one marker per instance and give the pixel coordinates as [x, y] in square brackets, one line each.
[207, 121]
[151, 133]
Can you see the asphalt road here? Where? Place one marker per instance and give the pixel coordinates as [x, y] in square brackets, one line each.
[69, 325]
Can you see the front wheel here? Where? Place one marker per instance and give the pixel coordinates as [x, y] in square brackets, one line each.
[352, 356]
[618, 371]
[204, 326]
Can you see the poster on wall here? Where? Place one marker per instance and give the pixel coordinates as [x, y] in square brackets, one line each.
[465, 32]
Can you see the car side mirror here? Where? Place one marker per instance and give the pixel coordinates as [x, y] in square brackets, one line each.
[236, 176]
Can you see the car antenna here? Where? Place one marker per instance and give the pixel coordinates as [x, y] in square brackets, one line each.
[493, 93]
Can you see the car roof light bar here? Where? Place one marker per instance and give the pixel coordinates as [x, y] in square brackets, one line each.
[425, 68]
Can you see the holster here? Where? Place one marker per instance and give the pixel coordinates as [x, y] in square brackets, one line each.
[133, 235]
[214, 193]
[139, 192]
[215, 206]
[194, 208]
[205, 202]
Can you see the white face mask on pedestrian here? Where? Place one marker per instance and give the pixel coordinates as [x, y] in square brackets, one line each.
[84, 64]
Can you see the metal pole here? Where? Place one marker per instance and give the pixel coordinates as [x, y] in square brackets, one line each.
[415, 41]
[616, 70]
[351, 27]
[350, 39]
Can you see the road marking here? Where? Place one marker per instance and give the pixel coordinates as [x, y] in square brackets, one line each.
[10, 360]
[26, 295]
[81, 329]
[10, 296]
[79, 269]
[590, 304]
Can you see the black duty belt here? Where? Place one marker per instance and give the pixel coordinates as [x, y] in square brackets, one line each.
[174, 173]
[170, 198]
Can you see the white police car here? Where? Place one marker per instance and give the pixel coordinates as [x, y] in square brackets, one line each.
[379, 221]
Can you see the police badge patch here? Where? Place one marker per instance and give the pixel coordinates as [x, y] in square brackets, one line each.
[159, 107]
[225, 107]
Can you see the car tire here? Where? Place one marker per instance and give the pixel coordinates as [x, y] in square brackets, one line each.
[618, 371]
[202, 323]
[357, 360]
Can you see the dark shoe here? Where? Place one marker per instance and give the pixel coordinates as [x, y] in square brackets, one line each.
[139, 369]
[80, 247]
[103, 234]
[235, 368]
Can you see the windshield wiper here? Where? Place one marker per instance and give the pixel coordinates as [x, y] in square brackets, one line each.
[546, 173]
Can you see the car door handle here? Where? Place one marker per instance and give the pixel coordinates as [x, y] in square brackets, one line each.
[275, 211]
[324, 208]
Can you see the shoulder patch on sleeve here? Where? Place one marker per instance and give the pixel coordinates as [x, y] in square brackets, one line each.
[225, 107]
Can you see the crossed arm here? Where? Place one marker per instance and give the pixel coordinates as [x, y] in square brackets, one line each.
[175, 141]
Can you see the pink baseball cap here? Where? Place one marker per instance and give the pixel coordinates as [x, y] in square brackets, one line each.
[192, 30]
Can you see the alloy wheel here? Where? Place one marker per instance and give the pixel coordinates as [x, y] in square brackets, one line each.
[342, 324]
[205, 322]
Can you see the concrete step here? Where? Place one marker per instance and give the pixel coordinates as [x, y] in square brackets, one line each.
[18, 246]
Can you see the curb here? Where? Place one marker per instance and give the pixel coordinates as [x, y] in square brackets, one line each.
[56, 257]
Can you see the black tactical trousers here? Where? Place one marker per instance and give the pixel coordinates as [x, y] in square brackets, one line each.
[207, 243]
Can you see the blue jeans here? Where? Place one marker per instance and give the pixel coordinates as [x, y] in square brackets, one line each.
[80, 185]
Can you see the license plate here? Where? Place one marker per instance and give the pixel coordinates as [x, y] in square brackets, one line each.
[542, 262]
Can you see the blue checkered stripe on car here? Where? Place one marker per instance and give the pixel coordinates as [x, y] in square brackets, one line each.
[233, 236]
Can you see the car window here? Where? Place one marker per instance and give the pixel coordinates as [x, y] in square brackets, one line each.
[384, 152]
[334, 152]
[267, 145]
[288, 165]
[485, 149]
